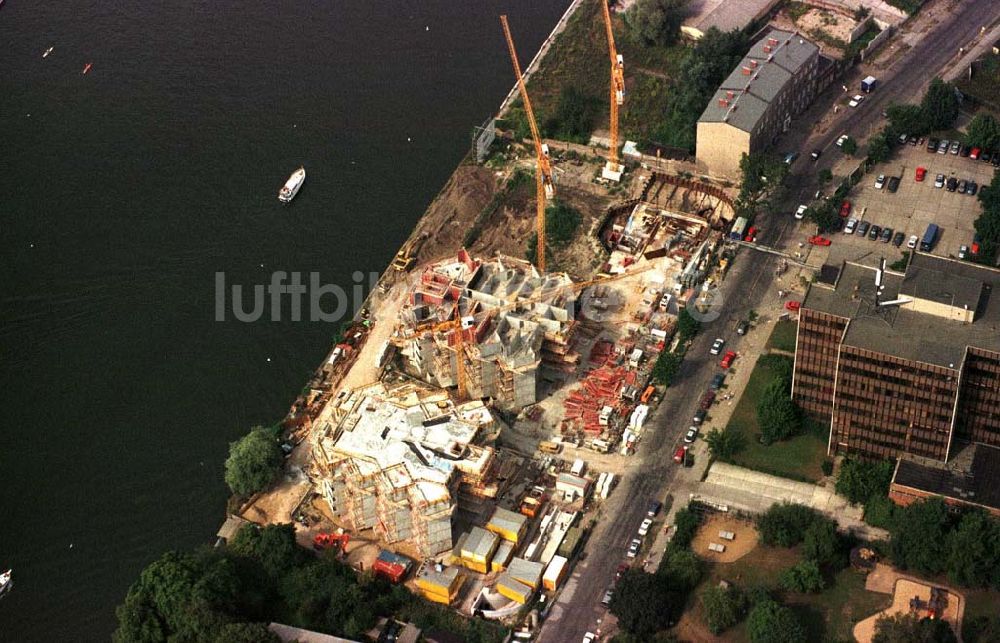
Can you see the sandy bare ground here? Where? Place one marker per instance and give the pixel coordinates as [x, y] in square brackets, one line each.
[746, 538]
[903, 588]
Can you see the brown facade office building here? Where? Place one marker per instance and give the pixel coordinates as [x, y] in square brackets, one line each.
[908, 367]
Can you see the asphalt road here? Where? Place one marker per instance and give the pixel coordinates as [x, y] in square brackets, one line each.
[579, 611]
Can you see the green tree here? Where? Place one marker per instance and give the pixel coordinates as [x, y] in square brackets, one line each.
[859, 480]
[824, 215]
[686, 524]
[907, 628]
[974, 550]
[785, 525]
[656, 22]
[907, 119]
[722, 608]
[919, 536]
[574, 117]
[642, 603]
[666, 366]
[822, 543]
[777, 415]
[879, 512]
[273, 546]
[981, 629]
[849, 146]
[940, 104]
[879, 147]
[983, 131]
[769, 622]
[761, 178]
[245, 633]
[254, 462]
[724, 445]
[687, 325]
[681, 569]
[561, 223]
[802, 577]
[824, 176]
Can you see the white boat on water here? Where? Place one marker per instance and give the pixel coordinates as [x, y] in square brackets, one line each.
[47, 52]
[6, 581]
[292, 185]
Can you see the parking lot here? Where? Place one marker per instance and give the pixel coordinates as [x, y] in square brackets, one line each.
[912, 207]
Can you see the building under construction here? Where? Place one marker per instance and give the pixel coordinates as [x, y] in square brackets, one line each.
[395, 457]
[513, 322]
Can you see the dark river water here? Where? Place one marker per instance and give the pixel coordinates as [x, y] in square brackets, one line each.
[123, 192]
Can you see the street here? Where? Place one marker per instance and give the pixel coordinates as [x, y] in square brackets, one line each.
[578, 609]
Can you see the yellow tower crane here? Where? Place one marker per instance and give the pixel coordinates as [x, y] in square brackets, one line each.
[544, 187]
[613, 169]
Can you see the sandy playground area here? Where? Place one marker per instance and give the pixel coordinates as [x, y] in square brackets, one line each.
[745, 541]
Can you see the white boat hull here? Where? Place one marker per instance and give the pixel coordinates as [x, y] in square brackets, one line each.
[292, 185]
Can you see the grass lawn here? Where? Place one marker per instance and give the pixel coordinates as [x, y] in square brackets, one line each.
[783, 336]
[828, 616]
[799, 458]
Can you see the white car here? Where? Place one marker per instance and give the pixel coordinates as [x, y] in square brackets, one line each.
[589, 637]
[843, 139]
[644, 527]
[939, 181]
[633, 548]
[691, 435]
[879, 181]
[717, 346]
[852, 224]
[912, 243]
[856, 100]
[801, 212]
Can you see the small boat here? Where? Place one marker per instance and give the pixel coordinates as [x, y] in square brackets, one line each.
[47, 52]
[292, 185]
[6, 578]
[87, 67]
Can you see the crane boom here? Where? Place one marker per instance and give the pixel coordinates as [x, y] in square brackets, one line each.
[544, 187]
[613, 169]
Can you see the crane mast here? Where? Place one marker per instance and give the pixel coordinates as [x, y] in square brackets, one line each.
[613, 169]
[544, 187]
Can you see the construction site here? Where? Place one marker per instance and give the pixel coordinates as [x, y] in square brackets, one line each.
[463, 431]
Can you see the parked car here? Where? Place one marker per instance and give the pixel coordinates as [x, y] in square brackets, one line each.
[955, 147]
[912, 140]
[706, 400]
[893, 184]
[965, 150]
[874, 232]
[845, 209]
[857, 100]
[790, 157]
[852, 223]
[819, 241]
[691, 435]
[972, 188]
[939, 181]
[620, 570]
[986, 156]
[633, 548]
[842, 139]
[943, 146]
[653, 508]
[975, 244]
[911, 243]
[863, 228]
[921, 173]
[728, 359]
[932, 144]
[742, 327]
[680, 455]
[886, 235]
[717, 346]
[963, 252]
[879, 181]
[974, 153]
[801, 212]
[952, 184]
[815, 154]
[898, 239]
[717, 381]
[751, 234]
[644, 527]
[793, 305]
[589, 637]
[699, 416]
[902, 139]
[606, 601]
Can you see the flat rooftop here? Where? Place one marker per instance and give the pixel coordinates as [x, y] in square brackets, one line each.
[972, 475]
[724, 15]
[899, 331]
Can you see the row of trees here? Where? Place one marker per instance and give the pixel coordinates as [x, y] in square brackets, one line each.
[656, 22]
[988, 224]
[937, 111]
[228, 595]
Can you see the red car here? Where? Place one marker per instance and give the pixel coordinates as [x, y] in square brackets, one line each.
[793, 305]
[819, 241]
[974, 154]
[727, 361]
[679, 454]
[751, 234]
[921, 173]
[845, 209]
